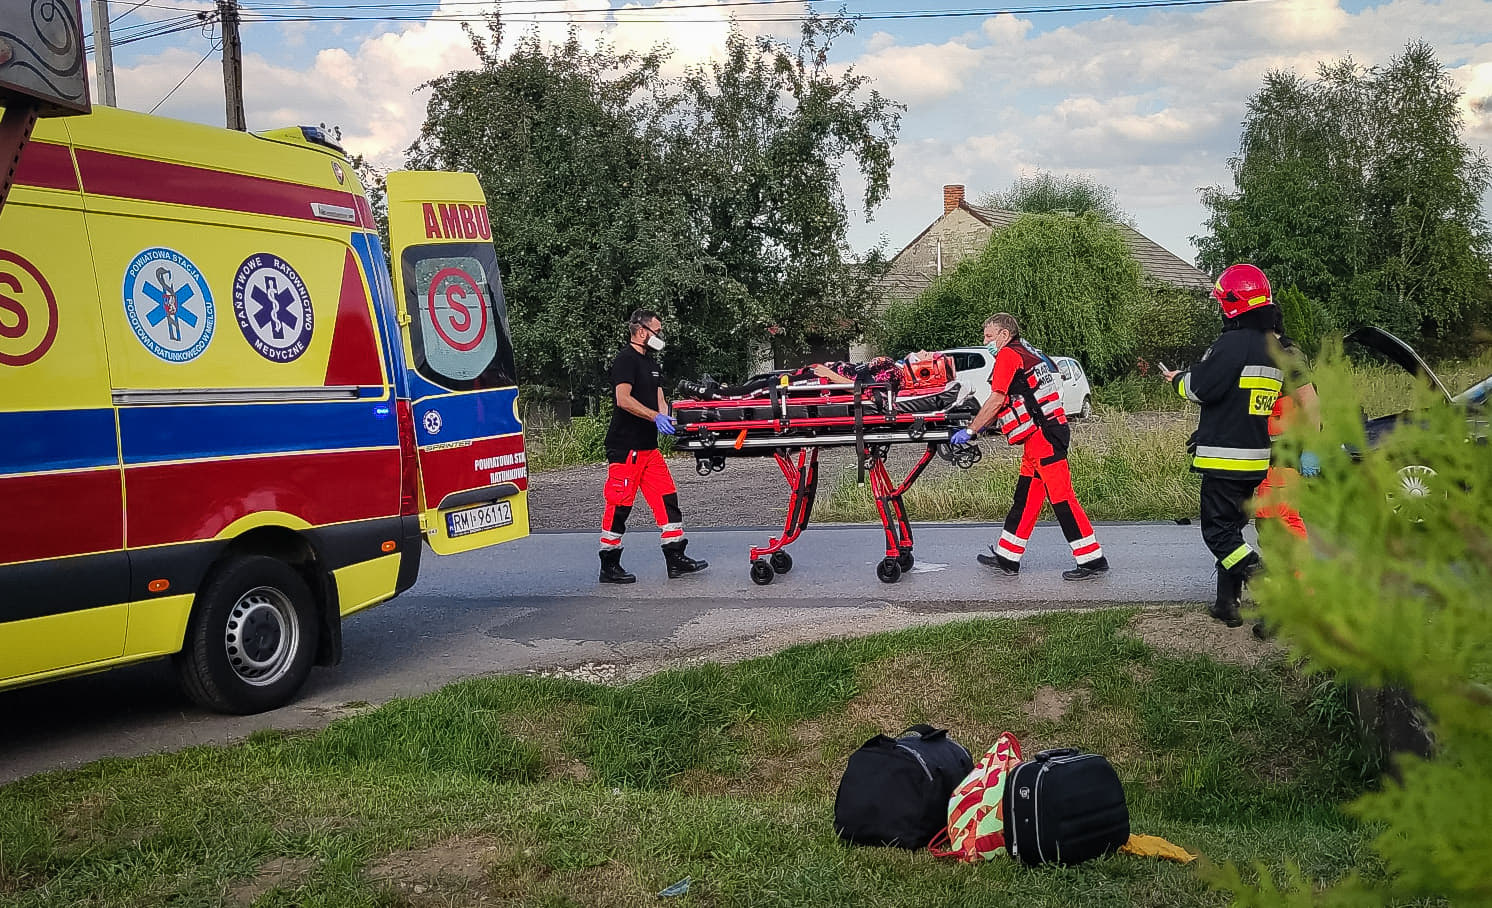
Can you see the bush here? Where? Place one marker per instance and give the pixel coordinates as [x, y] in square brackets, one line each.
[1383, 597]
[1306, 321]
[1174, 325]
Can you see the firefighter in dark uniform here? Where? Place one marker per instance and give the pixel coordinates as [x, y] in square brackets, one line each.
[634, 462]
[1025, 406]
[1237, 383]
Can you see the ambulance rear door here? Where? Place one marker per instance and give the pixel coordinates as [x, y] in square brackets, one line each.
[463, 385]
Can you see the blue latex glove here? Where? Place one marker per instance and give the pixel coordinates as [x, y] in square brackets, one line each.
[1310, 464]
[961, 437]
[664, 422]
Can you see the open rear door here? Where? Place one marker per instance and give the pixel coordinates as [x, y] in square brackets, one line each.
[463, 388]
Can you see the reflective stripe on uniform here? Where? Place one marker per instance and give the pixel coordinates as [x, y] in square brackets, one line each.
[611, 541]
[1184, 388]
[1011, 546]
[1232, 453]
[1232, 466]
[1235, 556]
[1084, 542]
[1262, 372]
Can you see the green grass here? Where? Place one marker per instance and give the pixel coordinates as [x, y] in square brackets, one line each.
[1124, 467]
[534, 791]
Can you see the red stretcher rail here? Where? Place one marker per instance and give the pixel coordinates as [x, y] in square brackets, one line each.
[871, 425]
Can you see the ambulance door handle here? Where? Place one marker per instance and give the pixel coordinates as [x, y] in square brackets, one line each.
[402, 317]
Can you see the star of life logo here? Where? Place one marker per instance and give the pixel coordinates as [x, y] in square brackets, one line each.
[169, 305]
[273, 308]
[433, 422]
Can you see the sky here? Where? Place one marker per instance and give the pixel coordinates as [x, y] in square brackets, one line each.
[1146, 101]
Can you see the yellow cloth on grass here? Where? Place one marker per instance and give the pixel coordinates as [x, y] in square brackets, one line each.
[1153, 846]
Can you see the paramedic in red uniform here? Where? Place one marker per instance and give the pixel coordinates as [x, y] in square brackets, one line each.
[1026, 407]
[635, 464]
[1237, 382]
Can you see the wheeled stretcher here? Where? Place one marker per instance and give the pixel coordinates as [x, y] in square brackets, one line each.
[792, 423]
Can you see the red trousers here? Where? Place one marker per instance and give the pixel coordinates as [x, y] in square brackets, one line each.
[1045, 477]
[645, 472]
[1271, 501]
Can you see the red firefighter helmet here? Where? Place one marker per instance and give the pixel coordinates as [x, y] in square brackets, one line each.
[1240, 289]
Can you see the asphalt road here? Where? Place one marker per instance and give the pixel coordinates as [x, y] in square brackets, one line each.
[534, 605]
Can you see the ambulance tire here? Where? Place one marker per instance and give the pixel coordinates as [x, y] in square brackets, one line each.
[221, 669]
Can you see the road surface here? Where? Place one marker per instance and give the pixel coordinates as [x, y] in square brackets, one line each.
[534, 605]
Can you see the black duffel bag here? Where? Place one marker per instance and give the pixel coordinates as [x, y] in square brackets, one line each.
[1064, 807]
[895, 791]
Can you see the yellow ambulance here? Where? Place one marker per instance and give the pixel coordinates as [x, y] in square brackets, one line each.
[224, 424]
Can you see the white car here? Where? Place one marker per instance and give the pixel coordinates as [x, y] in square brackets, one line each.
[972, 367]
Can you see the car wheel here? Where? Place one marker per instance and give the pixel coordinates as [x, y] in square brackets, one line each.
[1086, 411]
[252, 637]
[1417, 492]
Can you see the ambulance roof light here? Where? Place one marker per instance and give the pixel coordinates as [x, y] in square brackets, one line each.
[318, 136]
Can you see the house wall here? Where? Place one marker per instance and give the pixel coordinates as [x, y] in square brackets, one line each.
[958, 233]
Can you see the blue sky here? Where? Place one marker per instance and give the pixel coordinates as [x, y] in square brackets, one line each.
[1146, 101]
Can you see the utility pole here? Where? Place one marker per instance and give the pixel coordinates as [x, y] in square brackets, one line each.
[103, 52]
[232, 63]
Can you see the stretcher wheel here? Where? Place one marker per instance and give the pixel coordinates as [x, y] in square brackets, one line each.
[905, 560]
[703, 467]
[781, 562]
[888, 570]
[761, 572]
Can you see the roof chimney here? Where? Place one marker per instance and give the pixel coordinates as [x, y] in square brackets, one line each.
[953, 196]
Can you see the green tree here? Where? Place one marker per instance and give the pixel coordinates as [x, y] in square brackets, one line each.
[1070, 281]
[1047, 193]
[1358, 189]
[1306, 322]
[766, 131]
[1392, 591]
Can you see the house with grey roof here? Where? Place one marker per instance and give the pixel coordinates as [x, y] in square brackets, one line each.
[964, 230]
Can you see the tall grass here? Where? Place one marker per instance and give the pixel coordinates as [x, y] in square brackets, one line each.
[1124, 467]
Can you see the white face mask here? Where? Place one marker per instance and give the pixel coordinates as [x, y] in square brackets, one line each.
[655, 343]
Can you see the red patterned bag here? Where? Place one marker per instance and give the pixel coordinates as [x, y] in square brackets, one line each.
[976, 817]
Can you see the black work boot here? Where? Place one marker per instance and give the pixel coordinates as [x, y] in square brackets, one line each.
[994, 559]
[1229, 591]
[1088, 569]
[611, 567]
[680, 564]
[704, 389]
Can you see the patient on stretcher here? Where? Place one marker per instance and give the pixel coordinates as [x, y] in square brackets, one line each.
[921, 382]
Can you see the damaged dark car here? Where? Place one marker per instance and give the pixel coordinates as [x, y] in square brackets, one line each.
[1419, 485]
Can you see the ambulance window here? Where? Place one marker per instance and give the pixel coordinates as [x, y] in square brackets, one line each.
[459, 320]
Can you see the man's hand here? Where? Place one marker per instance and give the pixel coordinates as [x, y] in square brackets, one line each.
[664, 422]
[961, 437]
[1170, 375]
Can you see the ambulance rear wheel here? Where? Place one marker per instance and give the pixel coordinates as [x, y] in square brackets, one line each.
[781, 562]
[251, 639]
[761, 572]
[888, 570]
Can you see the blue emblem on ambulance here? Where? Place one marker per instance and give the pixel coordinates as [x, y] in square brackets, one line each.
[169, 305]
[273, 308]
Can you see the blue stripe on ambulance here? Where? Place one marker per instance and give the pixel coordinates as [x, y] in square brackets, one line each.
[474, 414]
[37, 440]
[375, 267]
[156, 434]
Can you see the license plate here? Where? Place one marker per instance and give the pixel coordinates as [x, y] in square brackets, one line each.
[475, 520]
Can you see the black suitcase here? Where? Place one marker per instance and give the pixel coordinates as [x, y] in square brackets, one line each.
[895, 791]
[1064, 807]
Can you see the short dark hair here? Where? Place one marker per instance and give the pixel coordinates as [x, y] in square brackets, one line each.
[641, 317]
[1005, 321]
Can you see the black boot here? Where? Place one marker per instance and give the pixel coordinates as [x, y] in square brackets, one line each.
[1088, 569]
[611, 567]
[994, 559]
[704, 389]
[680, 564]
[1229, 591]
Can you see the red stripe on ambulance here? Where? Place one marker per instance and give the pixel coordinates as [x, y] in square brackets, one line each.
[456, 221]
[184, 502]
[54, 515]
[354, 356]
[485, 462]
[145, 180]
[47, 166]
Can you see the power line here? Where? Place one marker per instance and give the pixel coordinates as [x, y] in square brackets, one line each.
[128, 11]
[210, 51]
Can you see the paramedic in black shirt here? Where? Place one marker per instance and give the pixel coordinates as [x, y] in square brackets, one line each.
[632, 452]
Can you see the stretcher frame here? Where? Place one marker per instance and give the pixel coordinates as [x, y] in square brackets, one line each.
[794, 443]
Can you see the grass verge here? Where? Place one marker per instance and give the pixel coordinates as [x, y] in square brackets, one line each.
[1124, 467]
[537, 791]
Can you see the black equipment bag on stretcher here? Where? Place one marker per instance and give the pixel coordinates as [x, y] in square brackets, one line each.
[1064, 807]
